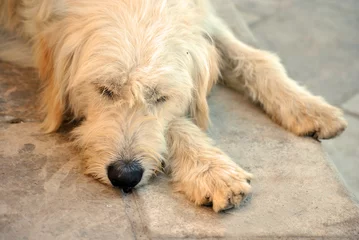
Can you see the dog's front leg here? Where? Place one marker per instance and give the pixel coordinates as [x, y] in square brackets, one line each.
[201, 171]
[264, 79]
[261, 75]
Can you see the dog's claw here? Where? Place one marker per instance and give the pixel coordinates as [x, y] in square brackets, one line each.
[208, 204]
[313, 135]
[229, 206]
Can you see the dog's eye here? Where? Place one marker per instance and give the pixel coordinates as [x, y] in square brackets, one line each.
[162, 99]
[106, 92]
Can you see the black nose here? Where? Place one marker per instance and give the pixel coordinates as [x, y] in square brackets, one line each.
[125, 174]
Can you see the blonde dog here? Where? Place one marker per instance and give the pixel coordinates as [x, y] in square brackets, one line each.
[138, 72]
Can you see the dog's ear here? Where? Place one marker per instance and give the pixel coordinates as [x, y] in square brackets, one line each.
[52, 102]
[205, 74]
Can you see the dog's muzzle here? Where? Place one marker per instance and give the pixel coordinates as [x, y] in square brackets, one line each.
[125, 174]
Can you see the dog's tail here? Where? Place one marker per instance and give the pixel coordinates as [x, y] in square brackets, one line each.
[15, 50]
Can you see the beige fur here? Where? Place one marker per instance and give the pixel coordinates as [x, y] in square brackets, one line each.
[139, 71]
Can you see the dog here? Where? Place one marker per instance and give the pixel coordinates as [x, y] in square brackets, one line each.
[138, 72]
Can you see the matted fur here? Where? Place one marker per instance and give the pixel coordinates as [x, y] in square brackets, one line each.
[139, 71]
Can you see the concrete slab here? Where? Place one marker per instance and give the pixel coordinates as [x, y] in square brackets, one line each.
[344, 152]
[352, 105]
[19, 89]
[296, 193]
[255, 11]
[318, 43]
[228, 12]
[44, 194]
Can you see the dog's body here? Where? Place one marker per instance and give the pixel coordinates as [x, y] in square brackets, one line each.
[139, 71]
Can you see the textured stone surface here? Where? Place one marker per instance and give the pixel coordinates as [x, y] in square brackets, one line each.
[317, 41]
[44, 195]
[19, 89]
[352, 105]
[296, 193]
[255, 11]
[344, 152]
[228, 12]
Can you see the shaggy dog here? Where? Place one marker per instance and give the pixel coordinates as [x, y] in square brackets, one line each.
[138, 72]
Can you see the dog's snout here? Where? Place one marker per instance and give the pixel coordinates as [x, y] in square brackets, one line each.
[125, 174]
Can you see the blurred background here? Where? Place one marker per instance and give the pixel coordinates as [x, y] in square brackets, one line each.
[318, 42]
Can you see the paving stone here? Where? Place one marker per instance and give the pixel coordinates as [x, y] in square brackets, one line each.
[295, 190]
[249, 17]
[228, 12]
[352, 105]
[318, 43]
[344, 152]
[324, 61]
[19, 90]
[296, 193]
[255, 11]
[44, 195]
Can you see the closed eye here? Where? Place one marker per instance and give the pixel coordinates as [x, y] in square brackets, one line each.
[162, 99]
[106, 92]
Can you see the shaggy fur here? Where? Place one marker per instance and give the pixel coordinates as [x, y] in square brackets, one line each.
[138, 72]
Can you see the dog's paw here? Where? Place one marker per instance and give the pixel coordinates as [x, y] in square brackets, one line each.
[222, 186]
[317, 119]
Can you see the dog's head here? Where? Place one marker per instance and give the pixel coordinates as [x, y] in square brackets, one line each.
[130, 70]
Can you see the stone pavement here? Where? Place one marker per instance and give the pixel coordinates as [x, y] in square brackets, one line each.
[44, 195]
[318, 42]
